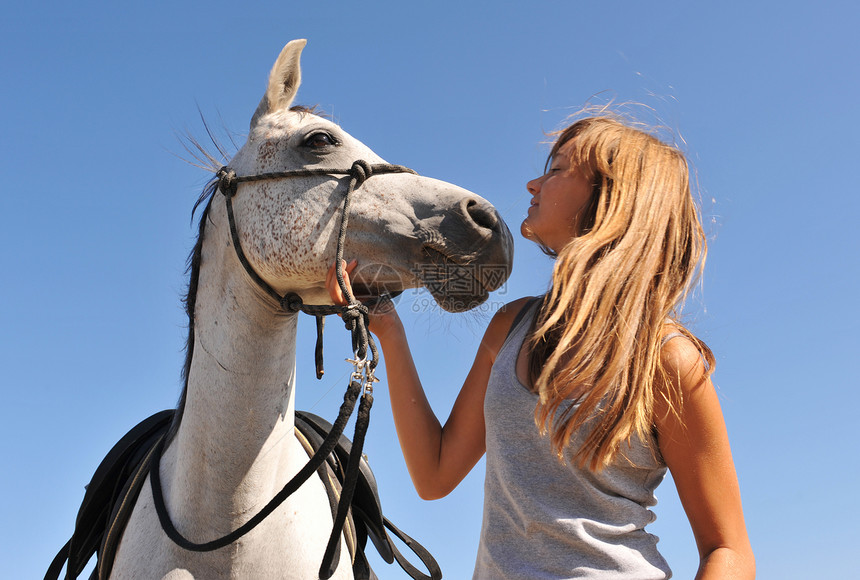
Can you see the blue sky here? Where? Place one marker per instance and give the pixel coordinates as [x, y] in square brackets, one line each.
[97, 210]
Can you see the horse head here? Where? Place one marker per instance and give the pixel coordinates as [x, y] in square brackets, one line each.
[405, 230]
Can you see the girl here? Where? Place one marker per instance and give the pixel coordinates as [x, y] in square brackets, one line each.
[582, 398]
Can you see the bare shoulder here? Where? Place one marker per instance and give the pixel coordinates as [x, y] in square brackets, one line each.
[683, 361]
[504, 318]
[501, 324]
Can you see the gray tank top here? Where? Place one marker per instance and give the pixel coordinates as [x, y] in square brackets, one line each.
[544, 519]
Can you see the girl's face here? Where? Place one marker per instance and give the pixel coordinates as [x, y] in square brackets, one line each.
[558, 198]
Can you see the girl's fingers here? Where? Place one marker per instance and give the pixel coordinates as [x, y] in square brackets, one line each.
[333, 287]
[384, 314]
[347, 270]
[331, 281]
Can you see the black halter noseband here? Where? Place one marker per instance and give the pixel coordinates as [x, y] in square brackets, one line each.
[355, 316]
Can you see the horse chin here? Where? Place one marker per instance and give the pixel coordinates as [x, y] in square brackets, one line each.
[449, 299]
[457, 291]
[371, 296]
[455, 285]
[373, 282]
[457, 301]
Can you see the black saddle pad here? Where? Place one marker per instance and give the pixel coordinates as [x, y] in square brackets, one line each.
[113, 490]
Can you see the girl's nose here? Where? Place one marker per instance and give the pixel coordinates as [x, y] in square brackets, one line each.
[533, 186]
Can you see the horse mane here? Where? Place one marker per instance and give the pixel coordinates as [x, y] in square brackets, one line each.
[206, 160]
[189, 300]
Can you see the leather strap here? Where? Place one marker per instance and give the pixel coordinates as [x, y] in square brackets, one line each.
[116, 484]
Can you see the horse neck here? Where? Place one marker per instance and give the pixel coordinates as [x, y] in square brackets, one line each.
[236, 437]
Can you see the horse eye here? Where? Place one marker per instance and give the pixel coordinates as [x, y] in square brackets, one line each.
[319, 141]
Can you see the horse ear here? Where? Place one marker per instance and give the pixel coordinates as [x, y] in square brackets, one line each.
[284, 81]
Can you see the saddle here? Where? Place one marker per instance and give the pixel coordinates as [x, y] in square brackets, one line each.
[113, 490]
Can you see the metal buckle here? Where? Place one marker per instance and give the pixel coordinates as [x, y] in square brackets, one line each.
[363, 373]
[359, 366]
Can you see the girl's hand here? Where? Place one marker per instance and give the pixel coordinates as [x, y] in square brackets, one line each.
[383, 317]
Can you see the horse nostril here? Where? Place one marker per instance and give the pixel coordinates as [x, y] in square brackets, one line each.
[482, 215]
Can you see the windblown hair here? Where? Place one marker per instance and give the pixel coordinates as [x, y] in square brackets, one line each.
[594, 350]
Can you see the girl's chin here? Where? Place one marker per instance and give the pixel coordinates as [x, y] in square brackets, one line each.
[525, 230]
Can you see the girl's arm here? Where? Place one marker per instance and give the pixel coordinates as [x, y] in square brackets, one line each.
[695, 446]
[438, 457]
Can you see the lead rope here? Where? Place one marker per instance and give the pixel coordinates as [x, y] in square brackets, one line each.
[332, 552]
[355, 317]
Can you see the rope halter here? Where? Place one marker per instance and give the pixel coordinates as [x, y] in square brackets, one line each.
[355, 318]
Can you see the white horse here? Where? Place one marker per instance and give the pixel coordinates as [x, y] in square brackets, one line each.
[233, 446]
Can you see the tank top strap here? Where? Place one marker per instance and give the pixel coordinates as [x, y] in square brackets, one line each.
[521, 315]
[672, 335]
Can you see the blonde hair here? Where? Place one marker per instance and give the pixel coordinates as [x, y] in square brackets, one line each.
[597, 337]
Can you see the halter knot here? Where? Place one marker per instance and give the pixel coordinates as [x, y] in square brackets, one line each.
[360, 171]
[352, 314]
[292, 302]
[228, 182]
[355, 319]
